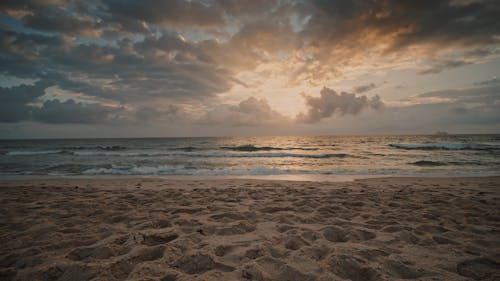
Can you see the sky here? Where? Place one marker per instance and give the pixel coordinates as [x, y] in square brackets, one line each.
[123, 68]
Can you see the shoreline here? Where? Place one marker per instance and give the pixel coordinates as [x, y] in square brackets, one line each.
[285, 178]
[387, 228]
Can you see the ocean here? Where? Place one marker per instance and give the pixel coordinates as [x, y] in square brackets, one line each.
[446, 155]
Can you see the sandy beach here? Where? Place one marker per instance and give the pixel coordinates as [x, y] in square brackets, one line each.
[241, 229]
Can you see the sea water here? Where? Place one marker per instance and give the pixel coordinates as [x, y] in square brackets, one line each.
[254, 156]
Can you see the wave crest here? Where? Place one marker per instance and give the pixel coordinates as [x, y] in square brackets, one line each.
[212, 154]
[427, 163]
[445, 146]
[251, 148]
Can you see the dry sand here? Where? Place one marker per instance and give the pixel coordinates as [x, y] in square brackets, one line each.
[152, 229]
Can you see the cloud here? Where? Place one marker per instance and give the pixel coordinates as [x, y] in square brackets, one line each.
[248, 113]
[131, 14]
[144, 55]
[56, 112]
[484, 95]
[59, 19]
[242, 7]
[330, 102]
[169, 113]
[442, 22]
[476, 106]
[443, 65]
[20, 47]
[12, 5]
[153, 67]
[14, 101]
[489, 82]
[383, 29]
[364, 88]
[19, 103]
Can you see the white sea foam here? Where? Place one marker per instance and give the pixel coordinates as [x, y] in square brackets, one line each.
[169, 170]
[446, 146]
[208, 154]
[29, 153]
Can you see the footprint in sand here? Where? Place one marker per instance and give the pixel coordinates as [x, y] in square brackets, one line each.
[240, 228]
[442, 240]
[64, 272]
[317, 252]
[155, 224]
[430, 229]
[372, 254]
[267, 268]
[149, 239]
[254, 253]
[99, 253]
[121, 269]
[222, 250]
[398, 269]
[7, 273]
[351, 268]
[198, 263]
[337, 234]
[358, 235]
[294, 242]
[169, 277]
[479, 269]
[159, 238]
[229, 217]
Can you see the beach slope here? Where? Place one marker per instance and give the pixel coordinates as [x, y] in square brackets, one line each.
[240, 229]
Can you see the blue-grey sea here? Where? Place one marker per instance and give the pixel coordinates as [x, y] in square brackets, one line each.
[254, 156]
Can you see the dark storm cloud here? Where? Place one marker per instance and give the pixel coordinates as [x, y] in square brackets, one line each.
[330, 102]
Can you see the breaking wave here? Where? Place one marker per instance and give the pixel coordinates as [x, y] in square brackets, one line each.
[427, 163]
[445, 146]
[211, 154]
[251, 148]
[169, 170]
[31, 153]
